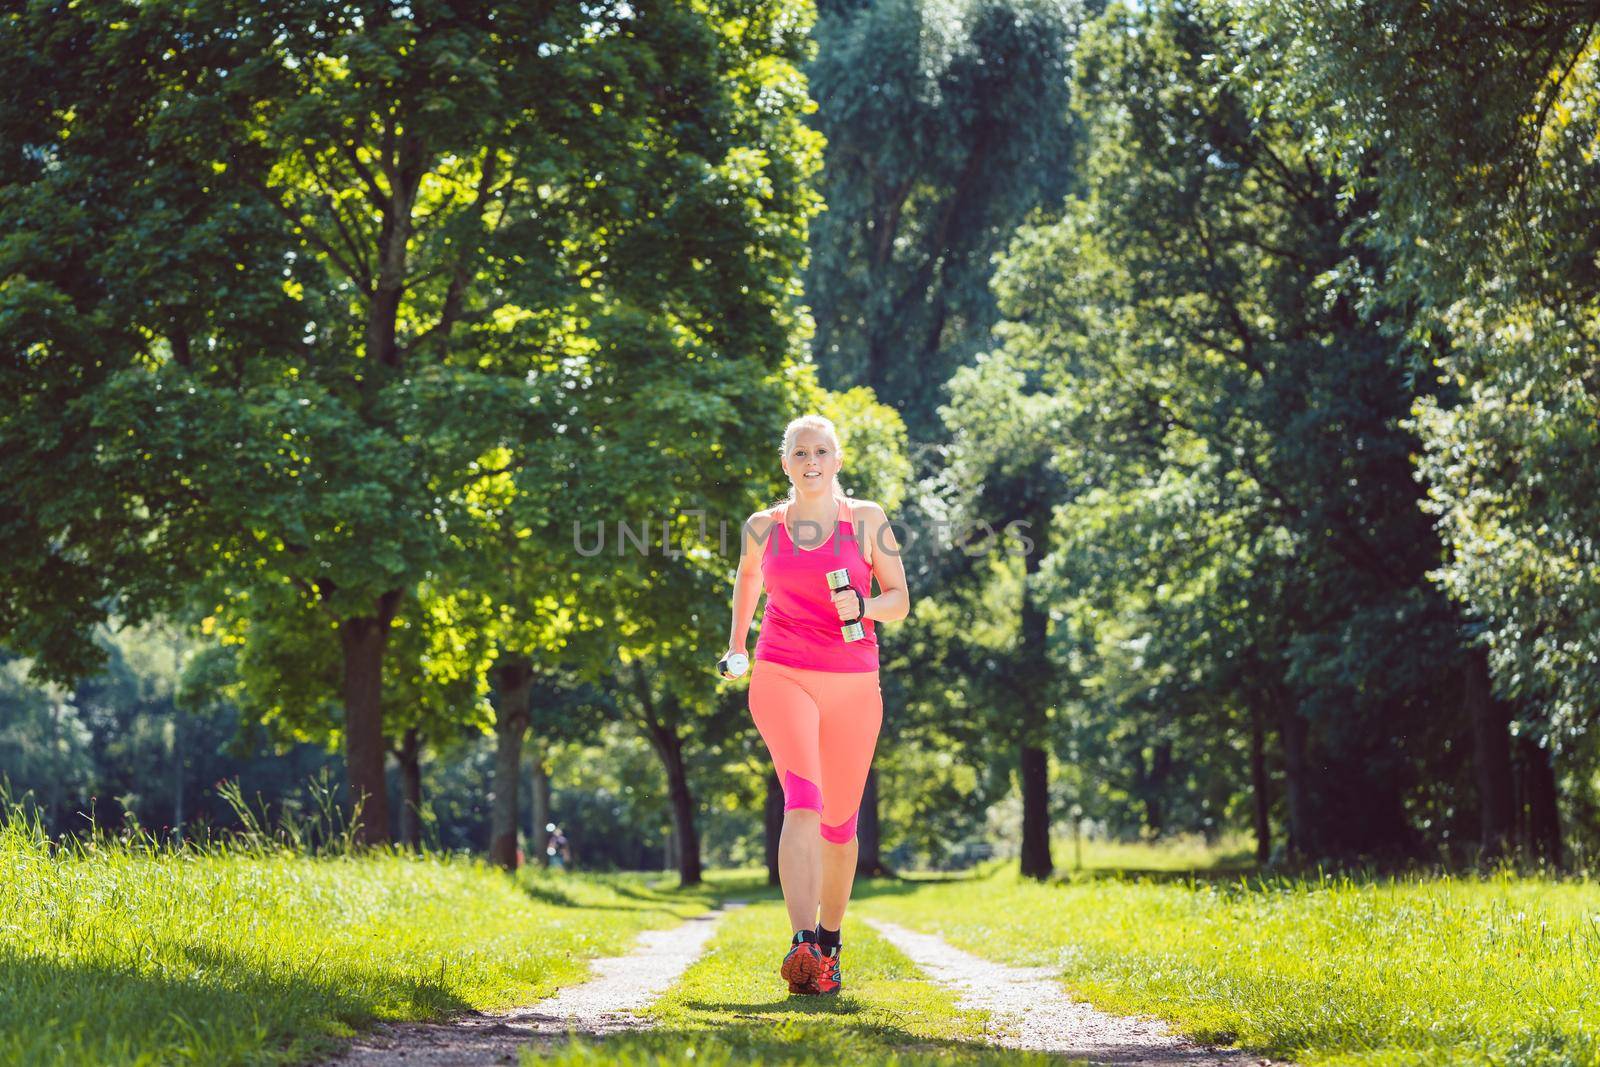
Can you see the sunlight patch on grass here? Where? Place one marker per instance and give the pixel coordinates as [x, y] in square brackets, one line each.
[1329, 970]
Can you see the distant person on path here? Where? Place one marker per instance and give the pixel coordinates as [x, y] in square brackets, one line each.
[557, 848]
[814, 690]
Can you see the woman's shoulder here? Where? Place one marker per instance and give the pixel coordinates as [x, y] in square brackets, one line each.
[761, 521]
[867, 509]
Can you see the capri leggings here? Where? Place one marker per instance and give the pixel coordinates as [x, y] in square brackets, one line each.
[821, 728]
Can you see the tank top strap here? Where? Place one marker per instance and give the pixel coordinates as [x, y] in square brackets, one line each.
[780, 525]
[847, 520]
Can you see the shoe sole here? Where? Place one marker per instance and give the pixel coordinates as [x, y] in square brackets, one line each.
[801, 970]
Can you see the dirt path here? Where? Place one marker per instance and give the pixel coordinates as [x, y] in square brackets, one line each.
[604, 1004]
[1031, 1011]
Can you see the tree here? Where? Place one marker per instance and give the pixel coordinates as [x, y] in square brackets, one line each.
[434, 691]
[1002, 476]
[1473, 131]
[946, 123]
[321, 264]
[1209, 312]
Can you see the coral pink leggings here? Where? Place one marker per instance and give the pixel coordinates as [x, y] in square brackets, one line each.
[821, 728]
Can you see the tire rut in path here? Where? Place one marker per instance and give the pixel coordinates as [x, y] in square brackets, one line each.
[617, 988]
[1038, 1015]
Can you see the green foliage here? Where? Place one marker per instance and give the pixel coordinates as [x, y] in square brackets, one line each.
[1484, 174]
[1244, 531]
[358, 308]
[873, 441]
[946, 122]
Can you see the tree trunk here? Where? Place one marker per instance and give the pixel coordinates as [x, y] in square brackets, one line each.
[1539, 790]
[1293, 732]
[514, 682]
[177, 772]
[1155, 788]
[1037, 689]
[869, 832]
[539, 838]
[1035, 767]
[1491, 741]
[658, 721]
[774, 825]
[686, 838]
[364, 639]
[409, 756]
[1259, 785]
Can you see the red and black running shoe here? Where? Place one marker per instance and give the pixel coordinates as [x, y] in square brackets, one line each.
[802, 966]
[831, 979]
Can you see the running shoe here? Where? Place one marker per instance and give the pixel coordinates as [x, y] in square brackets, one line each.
[830, 979]
[802, 966]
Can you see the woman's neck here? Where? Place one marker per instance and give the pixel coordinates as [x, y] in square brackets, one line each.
[814, 507]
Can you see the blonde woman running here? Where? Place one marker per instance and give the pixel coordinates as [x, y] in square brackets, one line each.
[814, 694]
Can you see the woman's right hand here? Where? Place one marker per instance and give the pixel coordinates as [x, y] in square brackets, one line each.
[733, 651]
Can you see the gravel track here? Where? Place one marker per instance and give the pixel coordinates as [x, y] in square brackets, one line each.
[605, 1004]
[1029, 1010]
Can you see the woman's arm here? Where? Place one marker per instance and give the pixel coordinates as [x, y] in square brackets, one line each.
[747, 581]
[894, 599]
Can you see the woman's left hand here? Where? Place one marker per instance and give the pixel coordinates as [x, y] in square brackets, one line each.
[851, 605]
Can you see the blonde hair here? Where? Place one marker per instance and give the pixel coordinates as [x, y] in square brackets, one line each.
[822, 425]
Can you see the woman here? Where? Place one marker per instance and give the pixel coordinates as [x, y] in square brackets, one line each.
[813, 694]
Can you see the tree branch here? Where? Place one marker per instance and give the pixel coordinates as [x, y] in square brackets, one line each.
[366, 175]
[312, 235]
[332, 203]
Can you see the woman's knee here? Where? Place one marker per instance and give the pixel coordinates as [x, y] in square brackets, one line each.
[802, 818]
[840, 833]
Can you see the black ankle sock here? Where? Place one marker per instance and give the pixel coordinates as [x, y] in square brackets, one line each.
[827, 938]
[804, 935]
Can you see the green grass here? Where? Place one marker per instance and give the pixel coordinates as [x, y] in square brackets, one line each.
[122, 953]
[1433, 970]
[116, 954]
[1182, 852]
[732, 1008]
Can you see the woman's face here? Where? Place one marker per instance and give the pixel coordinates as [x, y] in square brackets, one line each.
[811, 462]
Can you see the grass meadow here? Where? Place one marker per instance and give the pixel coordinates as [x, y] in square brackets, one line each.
[116, 952]
[251, 952]
[1326, 969]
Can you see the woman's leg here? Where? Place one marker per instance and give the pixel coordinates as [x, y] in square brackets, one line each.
[799, 859]
[788, 718]
[838, 878]
[851, 708]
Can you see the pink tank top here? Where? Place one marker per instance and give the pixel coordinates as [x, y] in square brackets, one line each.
[801, 625]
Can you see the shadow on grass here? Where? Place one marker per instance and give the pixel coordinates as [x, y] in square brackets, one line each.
[786, 1006]
[635, 898]
[558, 897]
[1157, 874]
[711, 892]
[204, 1005]
[866, 888]
[813, 1031]
[823, 1039]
